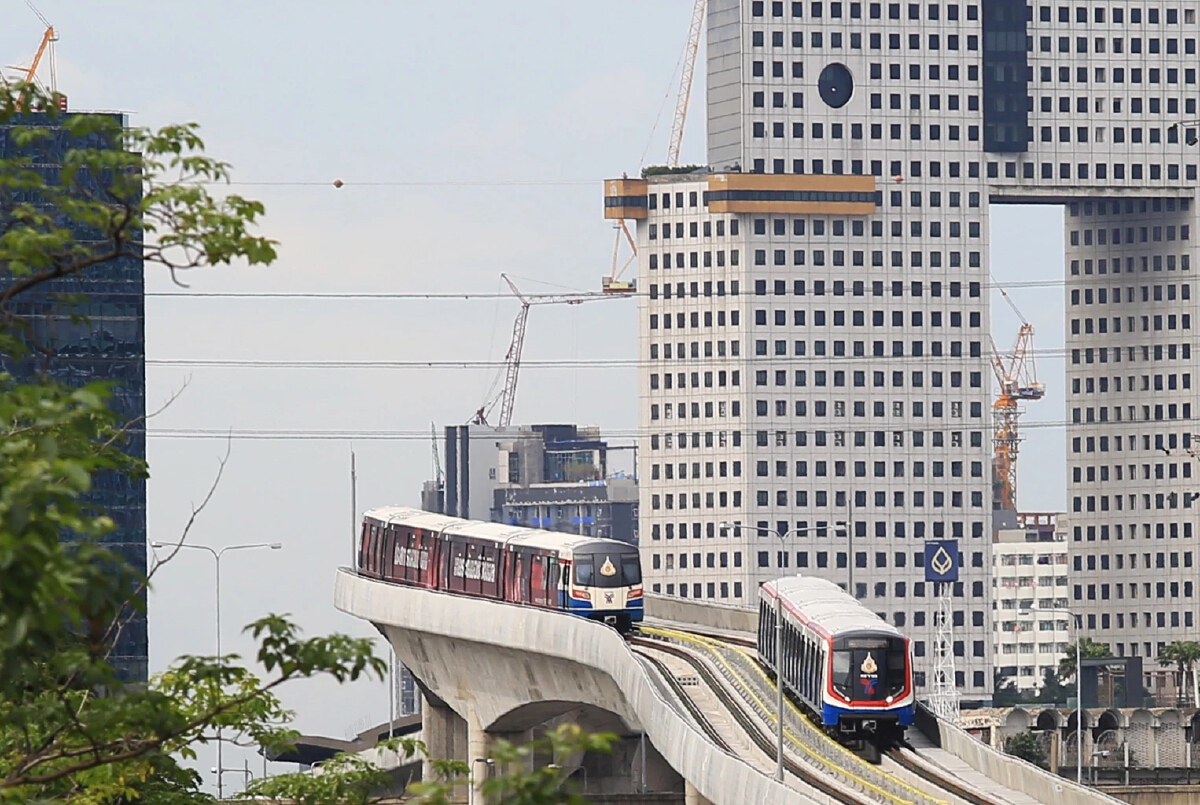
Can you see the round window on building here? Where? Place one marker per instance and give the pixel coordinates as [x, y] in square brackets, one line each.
[836, 85]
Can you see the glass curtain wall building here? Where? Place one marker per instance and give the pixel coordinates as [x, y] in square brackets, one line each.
[99, 338]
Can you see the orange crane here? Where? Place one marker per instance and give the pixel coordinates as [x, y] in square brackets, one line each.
[503, 391]
[1017, 376]
[613, 284]
[691, 47]
[49, 37]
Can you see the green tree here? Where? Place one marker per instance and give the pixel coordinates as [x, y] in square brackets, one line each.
[1185, 656]
[353, 780]
[1026, 746]
[1052, 691]
[71, 729]
[1090, 649]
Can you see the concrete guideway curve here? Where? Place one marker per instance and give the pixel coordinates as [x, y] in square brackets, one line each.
[475, 637]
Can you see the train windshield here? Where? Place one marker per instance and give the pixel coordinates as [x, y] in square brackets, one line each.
[607, 570]
[869, 669]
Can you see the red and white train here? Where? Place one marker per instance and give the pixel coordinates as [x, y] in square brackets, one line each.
[599, 579]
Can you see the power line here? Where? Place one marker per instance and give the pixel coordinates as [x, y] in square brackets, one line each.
[469, 295]
[422, 435]
[667, 365]
[419, 183]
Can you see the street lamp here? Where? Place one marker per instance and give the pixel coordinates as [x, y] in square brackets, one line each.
[1078, 688]
[217, 554]
[778, 649]
[489, 764]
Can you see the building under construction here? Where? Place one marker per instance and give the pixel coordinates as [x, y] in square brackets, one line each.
[554, 477]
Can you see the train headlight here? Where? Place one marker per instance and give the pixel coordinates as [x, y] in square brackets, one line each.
[889, 699]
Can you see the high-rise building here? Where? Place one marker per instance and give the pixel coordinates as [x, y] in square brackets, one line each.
[100, 338]
[1030, 591]
[814, 311]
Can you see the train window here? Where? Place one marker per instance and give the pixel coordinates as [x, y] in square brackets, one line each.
[841, 671]
[584, 571]
[631, 569]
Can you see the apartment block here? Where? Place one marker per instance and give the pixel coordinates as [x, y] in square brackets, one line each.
[814, 320]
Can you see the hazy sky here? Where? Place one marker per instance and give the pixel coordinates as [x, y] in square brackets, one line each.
[446, 94]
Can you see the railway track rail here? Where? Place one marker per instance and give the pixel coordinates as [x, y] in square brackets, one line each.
[745, 674]
[929, 771]
[751, 725]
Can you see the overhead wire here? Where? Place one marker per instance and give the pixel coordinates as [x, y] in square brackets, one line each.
[314, 434]
[666, 364]
[185, 293]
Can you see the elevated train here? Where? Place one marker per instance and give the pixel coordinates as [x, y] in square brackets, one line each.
[850, 670]
[599, 579]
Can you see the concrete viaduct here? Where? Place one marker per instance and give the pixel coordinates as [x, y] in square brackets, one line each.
[491, 670]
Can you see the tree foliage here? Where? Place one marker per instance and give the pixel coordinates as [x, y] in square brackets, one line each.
[356, 780]
[1090, 649]
[1185, 656]
[1026, 746]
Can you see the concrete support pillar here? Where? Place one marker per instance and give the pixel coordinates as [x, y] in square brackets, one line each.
[691, 796]
[444, 735]
[478, 749]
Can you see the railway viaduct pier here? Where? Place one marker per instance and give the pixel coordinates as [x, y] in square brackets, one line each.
[492, 670]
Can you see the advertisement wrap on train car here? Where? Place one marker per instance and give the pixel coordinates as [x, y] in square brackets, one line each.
[475, 569]
[598, 579]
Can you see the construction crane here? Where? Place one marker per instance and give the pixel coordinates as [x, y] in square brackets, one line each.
[505, 395]
[685, 82]
[29, 74]
[1017, 376]
[438, 476]
[613, 282]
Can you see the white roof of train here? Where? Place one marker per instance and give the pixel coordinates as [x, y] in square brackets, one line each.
[828, 606]
[499, 532]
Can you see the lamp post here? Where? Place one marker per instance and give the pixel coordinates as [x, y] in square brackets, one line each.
[217, 554]
[1078, 688]
[488, 764]
[778, 649]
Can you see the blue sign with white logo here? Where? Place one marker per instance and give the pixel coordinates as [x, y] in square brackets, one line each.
[941, 560]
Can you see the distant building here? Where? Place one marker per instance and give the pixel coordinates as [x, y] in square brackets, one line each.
[100, 335]
[1032, 625]
[553, 477]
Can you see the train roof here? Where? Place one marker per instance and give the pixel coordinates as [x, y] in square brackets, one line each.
[417, 518]
[826, 605]
[498, 532]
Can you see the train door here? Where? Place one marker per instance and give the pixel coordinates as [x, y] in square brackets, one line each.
[553, 576]
[364, 542]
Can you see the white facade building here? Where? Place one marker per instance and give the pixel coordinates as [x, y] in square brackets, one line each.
[826, 284]
[1030, 597]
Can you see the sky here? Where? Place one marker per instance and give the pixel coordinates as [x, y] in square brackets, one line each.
[486, 130]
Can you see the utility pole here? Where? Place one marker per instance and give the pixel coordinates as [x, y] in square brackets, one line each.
[353, 513]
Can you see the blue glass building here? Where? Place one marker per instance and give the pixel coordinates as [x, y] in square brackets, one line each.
[102, 338]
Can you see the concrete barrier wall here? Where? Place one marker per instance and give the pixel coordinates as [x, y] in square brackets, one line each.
[714, 616]
[721, 778]
[1154, 794]
[1018, 774]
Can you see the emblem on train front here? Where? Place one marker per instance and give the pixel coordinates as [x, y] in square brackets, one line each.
[608, 568]
[608, 598]
[867, 675]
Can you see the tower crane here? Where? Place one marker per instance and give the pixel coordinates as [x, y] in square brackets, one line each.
[503, 390]
[49, 37]
[691, 47]
[613, 282]
[1017, 376]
